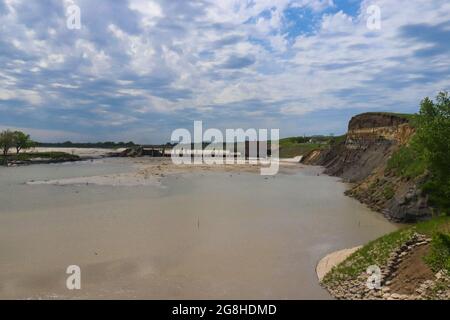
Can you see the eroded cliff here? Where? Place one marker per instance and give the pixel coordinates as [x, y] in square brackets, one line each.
[362, 159]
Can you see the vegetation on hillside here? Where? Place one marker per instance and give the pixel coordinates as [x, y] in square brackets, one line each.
[297, 146]
[439, 257]
[407, 162]
[429, 151]
[294, 150]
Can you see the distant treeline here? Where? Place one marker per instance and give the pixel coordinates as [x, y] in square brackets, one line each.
[103, 145]
[131, 144]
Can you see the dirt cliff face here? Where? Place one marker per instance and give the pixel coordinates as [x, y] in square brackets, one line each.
[372, 120]
[379, 127]
[361, 159]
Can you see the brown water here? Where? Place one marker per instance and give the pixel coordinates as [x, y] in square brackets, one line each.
[202, 235]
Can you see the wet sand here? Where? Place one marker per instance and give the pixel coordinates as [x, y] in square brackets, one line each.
[222, 233]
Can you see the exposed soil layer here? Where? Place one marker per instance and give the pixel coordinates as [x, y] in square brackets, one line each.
[376, 120]
[412, 271]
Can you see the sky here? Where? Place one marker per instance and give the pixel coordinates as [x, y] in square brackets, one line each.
[138, 69]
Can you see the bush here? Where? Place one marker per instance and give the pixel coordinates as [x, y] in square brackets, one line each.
[428, 151]
[433, 139]
[439, 257]
[439, 193]
[6, 141]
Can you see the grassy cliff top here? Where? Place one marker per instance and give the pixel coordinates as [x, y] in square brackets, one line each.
[407, 116]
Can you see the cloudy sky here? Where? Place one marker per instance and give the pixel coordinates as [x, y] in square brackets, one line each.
[138, 69]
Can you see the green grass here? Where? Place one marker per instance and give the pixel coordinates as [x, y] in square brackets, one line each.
[433, 226]
[407, 163]
[298, 146]
[411, 164]
[439, 230]
[374, 253]
[439, 257]
[293, 141]
[339, 139]
[408, 116]
[377, 252]
[290, 151]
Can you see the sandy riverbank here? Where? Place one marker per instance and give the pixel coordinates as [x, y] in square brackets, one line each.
[149, 171]
[333, 259]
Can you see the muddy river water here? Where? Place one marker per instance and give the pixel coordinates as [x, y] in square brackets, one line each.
[208, 235]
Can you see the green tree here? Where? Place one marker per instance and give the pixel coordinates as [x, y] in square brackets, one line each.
[22, 141]
[433, 141]
[6, 141]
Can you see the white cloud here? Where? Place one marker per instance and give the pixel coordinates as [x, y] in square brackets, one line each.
[207, 56]
[149, 9]
[45, 135]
